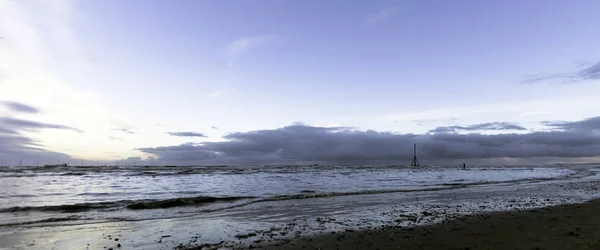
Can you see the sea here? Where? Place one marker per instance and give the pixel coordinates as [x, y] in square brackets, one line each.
[227, 207]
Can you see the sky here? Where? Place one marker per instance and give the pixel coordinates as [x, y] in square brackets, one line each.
[285, 82]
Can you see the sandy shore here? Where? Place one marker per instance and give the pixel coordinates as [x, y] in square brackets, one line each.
[560, 227]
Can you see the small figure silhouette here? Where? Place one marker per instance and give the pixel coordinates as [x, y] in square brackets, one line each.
[464, 166]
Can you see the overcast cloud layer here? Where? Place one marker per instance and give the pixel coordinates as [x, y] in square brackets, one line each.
[300, 143]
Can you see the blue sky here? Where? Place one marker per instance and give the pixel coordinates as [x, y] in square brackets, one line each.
[153, 67]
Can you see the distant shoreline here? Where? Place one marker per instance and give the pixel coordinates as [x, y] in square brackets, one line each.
[573, 226]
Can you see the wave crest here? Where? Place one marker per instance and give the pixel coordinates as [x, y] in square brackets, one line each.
[179, 202]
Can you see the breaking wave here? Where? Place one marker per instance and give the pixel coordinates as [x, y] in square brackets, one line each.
[310, 195]
[179, 202]
[68, 208]
[133, 205]
[59, 219]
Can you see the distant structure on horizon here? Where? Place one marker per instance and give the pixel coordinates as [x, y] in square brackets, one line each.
[56, 165]
[414, 162]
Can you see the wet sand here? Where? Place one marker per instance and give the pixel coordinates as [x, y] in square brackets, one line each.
[559, 227]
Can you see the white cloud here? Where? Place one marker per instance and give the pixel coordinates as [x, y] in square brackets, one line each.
[381, 15]
[38, 43]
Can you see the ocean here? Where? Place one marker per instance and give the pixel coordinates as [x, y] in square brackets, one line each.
[167, 207]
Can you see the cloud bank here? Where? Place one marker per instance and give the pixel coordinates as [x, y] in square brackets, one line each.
[587, 125]
[16, 146]
[308, 144]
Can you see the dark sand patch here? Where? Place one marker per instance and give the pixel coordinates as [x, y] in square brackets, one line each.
[560, 227]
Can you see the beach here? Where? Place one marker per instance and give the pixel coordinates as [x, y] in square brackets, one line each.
[558, 227]
[276, 207]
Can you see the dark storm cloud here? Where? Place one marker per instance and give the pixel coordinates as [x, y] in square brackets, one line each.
[491, 126]
[589, 73]
[591, 124]
[32, 125]
[299, 143]
[186, 134]
[124, 130]
[19, 107]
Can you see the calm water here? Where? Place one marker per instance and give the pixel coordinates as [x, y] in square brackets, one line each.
[92, 194]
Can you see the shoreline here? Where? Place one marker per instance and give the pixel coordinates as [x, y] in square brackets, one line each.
[572, 226]
[294, 222]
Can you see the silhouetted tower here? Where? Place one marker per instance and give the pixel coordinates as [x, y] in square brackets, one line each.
[414, 162]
